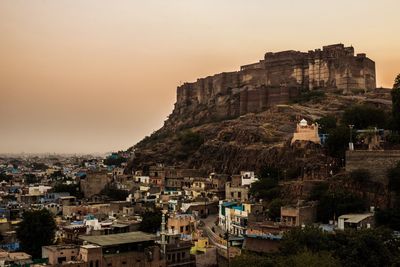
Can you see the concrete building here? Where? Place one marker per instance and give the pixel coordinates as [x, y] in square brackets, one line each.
[298, 215]
[233, 217]
[247, 178]
[60, 254]
[356, 221]
[178, 252]
[134, 249]
[184, 224]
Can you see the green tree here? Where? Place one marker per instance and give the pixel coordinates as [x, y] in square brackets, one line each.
[274, 209]
[30, 178]
[363, 116]
[397, 82]
[327, 124]
[309, 259]
[114, 160]
[114, 193]
[252, 259]
[270, 172]
[360, 177]
[72, 189]
[396, 103]
[151, 221]
[265, 188]
[368, 247]
[393, 175]
[190, 140]
[318, 191]
[37, 229]
[338, 202]
[5, 177]
[338, 141]
[309, 238]
[389, 218]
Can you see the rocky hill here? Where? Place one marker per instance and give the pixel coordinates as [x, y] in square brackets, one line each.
[250, 141]
[244, 120]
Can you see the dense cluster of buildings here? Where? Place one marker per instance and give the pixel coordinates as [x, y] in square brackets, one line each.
[205, 217]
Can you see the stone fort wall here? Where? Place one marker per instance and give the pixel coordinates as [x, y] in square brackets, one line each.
[275, 80]
[376, 162]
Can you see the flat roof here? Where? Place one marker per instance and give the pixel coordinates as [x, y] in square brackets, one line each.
[355, 218]
[119, 239]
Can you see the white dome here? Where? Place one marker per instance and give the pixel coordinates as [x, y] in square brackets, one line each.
[303, 122]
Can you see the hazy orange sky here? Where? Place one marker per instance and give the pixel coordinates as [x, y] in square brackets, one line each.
[96, 76]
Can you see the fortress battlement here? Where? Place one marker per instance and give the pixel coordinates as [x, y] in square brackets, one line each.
[275, 79]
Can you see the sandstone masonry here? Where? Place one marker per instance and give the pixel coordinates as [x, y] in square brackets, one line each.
[273, 80]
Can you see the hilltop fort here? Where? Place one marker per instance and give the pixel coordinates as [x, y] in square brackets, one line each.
[276, 79]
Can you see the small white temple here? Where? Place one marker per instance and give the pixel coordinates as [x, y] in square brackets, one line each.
[305, 132]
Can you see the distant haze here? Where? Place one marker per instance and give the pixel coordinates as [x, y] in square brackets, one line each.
[96, 75]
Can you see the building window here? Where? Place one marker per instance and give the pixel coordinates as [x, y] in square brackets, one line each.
[181, 229]
[61, 259]
[239, 194]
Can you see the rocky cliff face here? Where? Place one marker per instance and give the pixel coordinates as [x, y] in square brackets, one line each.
[248, 142]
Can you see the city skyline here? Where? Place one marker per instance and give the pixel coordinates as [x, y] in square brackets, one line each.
[96, 76]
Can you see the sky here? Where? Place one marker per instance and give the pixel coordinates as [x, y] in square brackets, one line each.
[85, 76]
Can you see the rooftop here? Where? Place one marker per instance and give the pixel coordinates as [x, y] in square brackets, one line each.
[355, 218]
[119, 239]
[61, 247]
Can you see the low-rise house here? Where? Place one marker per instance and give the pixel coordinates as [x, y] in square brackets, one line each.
[177, 251]
[247, 178]
[184, 224]
[15, 258]
[233, 217]
[127, 249]
[298, 215]
[356, 221]
[59, 254]
[142, 179]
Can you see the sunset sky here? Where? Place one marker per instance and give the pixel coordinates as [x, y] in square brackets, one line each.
[96, 76]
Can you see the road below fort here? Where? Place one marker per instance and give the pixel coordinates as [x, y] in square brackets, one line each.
[215, 237]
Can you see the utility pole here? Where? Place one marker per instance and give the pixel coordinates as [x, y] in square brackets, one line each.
[351, 145]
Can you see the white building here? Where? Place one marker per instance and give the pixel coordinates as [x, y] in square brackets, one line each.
[248, 177]
[142, 179]
[356, 221]
[38, 190]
